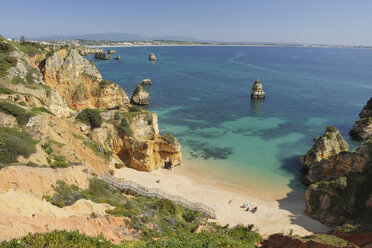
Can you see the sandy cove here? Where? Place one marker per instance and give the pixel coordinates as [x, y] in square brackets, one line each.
[272, 216]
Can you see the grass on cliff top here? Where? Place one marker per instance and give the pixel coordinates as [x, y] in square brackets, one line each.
[14, 143]
[326, 239]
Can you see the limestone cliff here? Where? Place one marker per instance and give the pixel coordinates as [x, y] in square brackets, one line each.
[257, 91]
[78, 81]
[140, 96]
[329, 144]
[362, 129]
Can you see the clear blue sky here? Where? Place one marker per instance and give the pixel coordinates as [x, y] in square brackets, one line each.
[303, 21]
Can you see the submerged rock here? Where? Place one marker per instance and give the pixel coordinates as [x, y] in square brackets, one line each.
[146, 82]
[140, 96]
[117, 57]
[111, 51]
[257, 91]
[152, 57]
[362, 129]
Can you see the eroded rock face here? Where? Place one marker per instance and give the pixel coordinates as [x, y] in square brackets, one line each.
[257, 91]
[140, 96]
[78, 81]
[146, 82]
[330, 143]
[362, 129]
[152, 57]
[145, 150]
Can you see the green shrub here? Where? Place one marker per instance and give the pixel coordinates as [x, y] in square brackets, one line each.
[19, 113]
[327, 239]
[169, 138]
[30, 48]
[57, 239]
[90, 117]
[136, 109]
[124, 126]
[65, 195]
[4, 67]
[14, 143]
[59, 162]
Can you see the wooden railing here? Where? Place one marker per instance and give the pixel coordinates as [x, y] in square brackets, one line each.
[122, 184]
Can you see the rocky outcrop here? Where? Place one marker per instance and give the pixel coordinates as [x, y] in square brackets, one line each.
[341, 200]
[84, 51]
[362, 129]
[146, 82]
[117, 57]
[140, 96]
[78, 81]
[111, 51]
[143, 148]
[101, 55]
[329, 144]
[257, 91]
[152, 57]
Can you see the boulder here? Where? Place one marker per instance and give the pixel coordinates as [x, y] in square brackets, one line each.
[257, 91]
[111, 51]
[140, 96]
[117, 57]
[146, 82]
[101, 55]
[152, 57]
[362, 129]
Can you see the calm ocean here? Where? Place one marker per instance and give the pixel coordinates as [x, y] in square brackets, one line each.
[202, 96]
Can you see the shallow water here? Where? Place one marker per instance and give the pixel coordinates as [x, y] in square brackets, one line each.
[202, 96]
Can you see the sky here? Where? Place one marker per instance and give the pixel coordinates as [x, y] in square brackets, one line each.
[347, 22]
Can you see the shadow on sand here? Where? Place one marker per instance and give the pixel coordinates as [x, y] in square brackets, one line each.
[294, 202]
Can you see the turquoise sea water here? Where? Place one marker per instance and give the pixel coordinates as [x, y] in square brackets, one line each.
[202, 96]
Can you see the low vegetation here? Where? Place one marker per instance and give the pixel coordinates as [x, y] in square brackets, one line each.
[90, 117]
[159, 222]
[326, 239]
[104, 153]
[19, 113]
[57, 239]
[169, 138]
[14, 143]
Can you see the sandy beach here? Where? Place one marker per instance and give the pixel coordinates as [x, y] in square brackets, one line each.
[272, 216]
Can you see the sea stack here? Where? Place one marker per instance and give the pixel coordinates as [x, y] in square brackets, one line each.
[117, 57]
[257, 91]
[111, 51]
[146, 82]
[140, 96]
[152, 57]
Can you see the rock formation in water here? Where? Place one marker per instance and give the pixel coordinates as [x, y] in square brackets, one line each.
[111, 51]
[152, 57]
[257, 91]
[101, 55]
[117, 57]
[146, 82]
[140, 96]
[84, 51]
[362, 129]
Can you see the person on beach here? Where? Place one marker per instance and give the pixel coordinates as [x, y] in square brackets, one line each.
[158, 181]
[254, 210]
[231, 201]
[247, 209]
